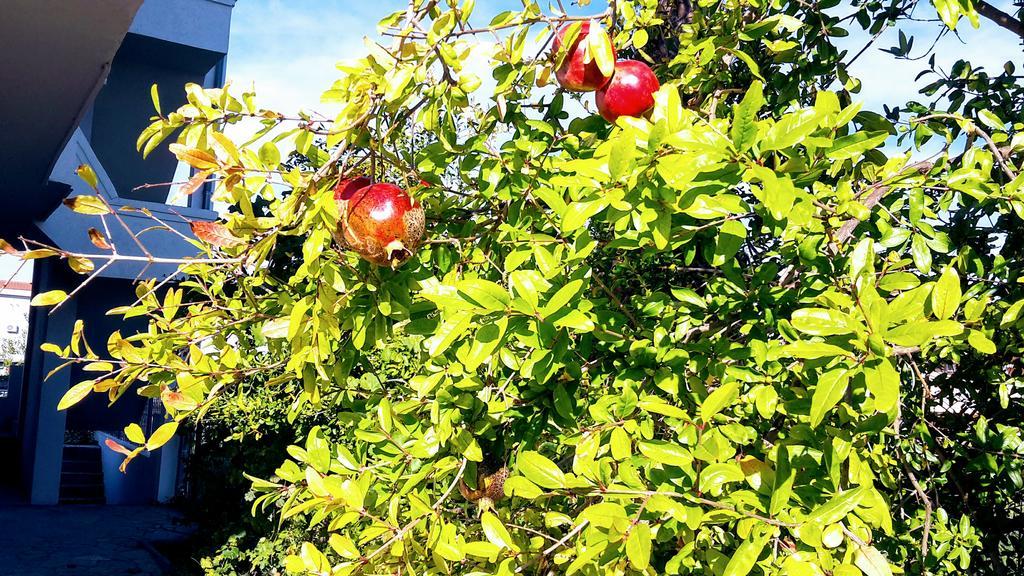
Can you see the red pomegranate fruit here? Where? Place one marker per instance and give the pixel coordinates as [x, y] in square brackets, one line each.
[630, 91]
[577, 73]
[347, 187]
[380, 222]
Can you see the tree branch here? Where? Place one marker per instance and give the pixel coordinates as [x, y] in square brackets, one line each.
[1001, 18]
[876, 192]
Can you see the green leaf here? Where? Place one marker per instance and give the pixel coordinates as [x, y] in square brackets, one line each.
[447, 333]
[751, 64]
[638, 546]
[385, 417]
[603, 514]
[837, 507]
[621, 445]
[949, 11]
[162, 435]
[883, 381]
[921, 253]
[397, 79]
[276, 328]
[74, 395]
[784, 478]
[484, 294]
[486, 340]
[729, 241]
[639, 38]
[620, 159]
[719, 473]
[946, 294]
[1012, 313]
[343, 545]
[482, 550]
[791, 129]
[988, 118]
[855, 145]
[743, 560]
[351, 493]
[135, 434]
[871, 562]
[577, 214]
[744, 117]
[600, 47]
[719, 399]
[655, 405]
[661, 452]
[917, 333]
[827, 393]
[822, 322]
[270, 156]
[49, 298]
[561, 298]
[541, 471]
[154, 94]
[496, 532]
[811, 350]
[980, 342]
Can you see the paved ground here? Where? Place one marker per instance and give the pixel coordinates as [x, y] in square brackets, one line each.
[83, 540]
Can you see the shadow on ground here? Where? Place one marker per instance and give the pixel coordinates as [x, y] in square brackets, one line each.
[86, 540]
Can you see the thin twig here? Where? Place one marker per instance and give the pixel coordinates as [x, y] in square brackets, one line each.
[365, 560]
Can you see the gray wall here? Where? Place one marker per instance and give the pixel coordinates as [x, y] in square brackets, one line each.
[124, 108]
[93, 413]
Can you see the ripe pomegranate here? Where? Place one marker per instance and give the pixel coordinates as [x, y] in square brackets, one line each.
[630, 91]
[577, 73]
[347, 187]
[380, 222]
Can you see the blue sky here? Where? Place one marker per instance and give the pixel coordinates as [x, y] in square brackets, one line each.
[287, 49]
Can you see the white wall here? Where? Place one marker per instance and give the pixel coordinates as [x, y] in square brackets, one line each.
[13, 317]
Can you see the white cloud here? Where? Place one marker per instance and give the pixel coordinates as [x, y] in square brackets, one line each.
[288, 49]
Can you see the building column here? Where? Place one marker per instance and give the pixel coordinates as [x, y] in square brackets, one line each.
[43, 432]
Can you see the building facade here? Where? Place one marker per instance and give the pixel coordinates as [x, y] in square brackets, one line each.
[14, 309]
[75, 81]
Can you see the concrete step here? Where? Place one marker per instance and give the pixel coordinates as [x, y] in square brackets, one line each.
[81, 478]
[81, 493]
[90, 476]
[82, 467]
[81, 451]
[92, 500]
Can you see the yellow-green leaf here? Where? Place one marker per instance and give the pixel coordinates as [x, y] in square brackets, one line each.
[721, 397]
[742, 561]
[161, 435]
[871, 562]
[49, 298]
[981, 342]
[827, 393]
[85, 172]
[496, 532]
[946, 294]
[74, 395]
[87, 205]
[601, 51]
[540, 470]
[134, 433]
[638, 546]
